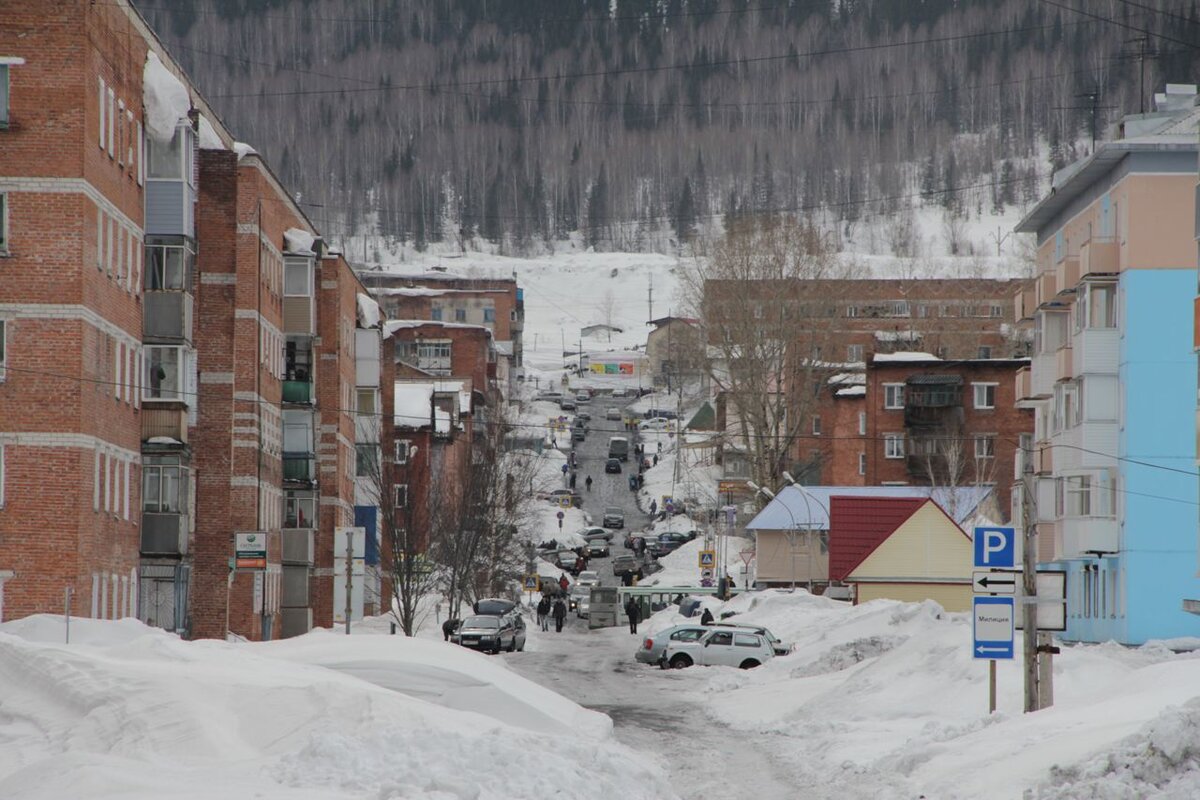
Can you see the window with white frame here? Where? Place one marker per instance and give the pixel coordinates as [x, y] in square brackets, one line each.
[402, 450]
[985, 395]
[299, 511]
[163, 378]
[164, 489]
[297, 431]
[170, 160]
[893, 445]
[3, 223]
[893, 396]
[3, 348]
[985, 446]
[862, 423]
[297, 278]
[816, 426]
[852, 311]
[366, 460]
[4, 95]
[862, 463]
[169, 264]
[854, 352]
[1078, 495]
[401, 496]
[366, 403]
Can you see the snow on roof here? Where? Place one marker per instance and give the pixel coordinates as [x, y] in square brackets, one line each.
[369, 315]
[165, 98]
[441, 421]
[391, 326]
[810, 508]
[412, 404]
[504, 348]
[905, 355]
[848, 378]
[851, 391]
[163, 440]
[897, 336]
[242, 149]
[408, 291]
[462, 387]
[296, 240]
[209, 140]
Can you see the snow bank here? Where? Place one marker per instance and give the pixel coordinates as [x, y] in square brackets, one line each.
[369, 314]
[133, 712]
[296, 240]
[165, 98]
[413, 404]
[209, 140]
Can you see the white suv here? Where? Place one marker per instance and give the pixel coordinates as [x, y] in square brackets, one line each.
[726, 648]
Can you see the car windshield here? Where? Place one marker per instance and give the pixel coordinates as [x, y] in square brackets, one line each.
[589, 576]
[612, 510]
[482, 622]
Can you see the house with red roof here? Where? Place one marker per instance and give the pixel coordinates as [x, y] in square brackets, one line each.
[899, 548]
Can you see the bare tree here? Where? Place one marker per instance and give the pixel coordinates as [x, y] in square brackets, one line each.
[608, 310]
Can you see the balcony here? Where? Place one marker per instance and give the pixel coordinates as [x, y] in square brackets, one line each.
[1046, 285]
[1067, 274]
[1025, 303]
[170, 207]
[298, 392]
[298, 546]
[167, 316]
[927, 466]
[1081, 534]
[933, 416]
[1064, 363]
[1100, 256]
[1044, 460]
[1096, 351]
[1024, 385]
[164, 534]
[298, 315]
[299, 467]
[164, 422]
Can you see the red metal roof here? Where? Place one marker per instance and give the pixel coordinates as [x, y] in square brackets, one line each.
[858, 525]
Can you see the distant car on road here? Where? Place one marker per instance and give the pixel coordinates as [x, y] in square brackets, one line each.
[627, 565]
[614, 517]
[653, 646]
[589, 578]
[723, 647]
[612, 465]
[613, 413]
[618, 393]
[593, 532]
[578, 593]
[583, 396]
[597, 548]
[552, 397]
[567, 404]
[657, 424]
[578, 435]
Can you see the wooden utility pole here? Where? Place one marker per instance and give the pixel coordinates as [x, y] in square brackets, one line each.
[349, 576]
[1029, 589]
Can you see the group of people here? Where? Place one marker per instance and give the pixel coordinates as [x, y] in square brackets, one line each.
[547, 608]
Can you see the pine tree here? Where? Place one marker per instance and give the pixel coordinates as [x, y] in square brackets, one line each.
[597, 210]
[684, 218]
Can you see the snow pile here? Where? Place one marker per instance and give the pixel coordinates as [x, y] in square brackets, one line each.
[133, 712]
[242, 149]
[544, 525]
[209, 140]
[905, 355]
[681, 568]
[165, 98]
[412, 405]
[369, 314]
[296, 240]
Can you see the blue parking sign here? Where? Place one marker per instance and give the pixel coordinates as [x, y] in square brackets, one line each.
[995, 548]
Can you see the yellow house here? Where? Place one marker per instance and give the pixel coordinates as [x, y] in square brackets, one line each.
[900, 548]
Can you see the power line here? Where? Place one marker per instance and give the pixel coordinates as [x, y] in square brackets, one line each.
[1120, 24]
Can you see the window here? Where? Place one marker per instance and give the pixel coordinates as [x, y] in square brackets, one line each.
[168, 265]
[985, 446]
[689, 635]
[299, 511]
[165, 160]
[366, 460]
[985, 395]
[401, 495]
[893, 395]
[401, 455]
[854, 352]
[297, 278]
[893, 445]
[922, 311]
[110, 112]
[995, 311]
[1079, 495]
[460, 315]
[163, 378]
[297, 431]
[3, 224]
[862, 423]
[816, 425]
[1101, 307]
[164, 489]
[3, 347]
[745, 640]
[862, 463]
[366, 402]
[436, 314]
[851, 311]
[489, 315]
[985, 351]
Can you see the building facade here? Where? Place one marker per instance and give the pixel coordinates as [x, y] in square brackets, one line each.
[1113, 380]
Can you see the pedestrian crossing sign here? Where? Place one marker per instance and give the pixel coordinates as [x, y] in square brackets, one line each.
[531, 583]
[707, 558]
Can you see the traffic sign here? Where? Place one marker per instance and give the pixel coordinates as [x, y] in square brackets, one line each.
[995, 547]
[995, 582]
[993, 628]
[531, 583]
[560, 515]
[706, 574]
[708, 558]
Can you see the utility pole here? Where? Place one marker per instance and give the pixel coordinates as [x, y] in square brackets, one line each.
[650, 298]
[349, 576]
[1029, 587]
[999, 239]
[1140, 55]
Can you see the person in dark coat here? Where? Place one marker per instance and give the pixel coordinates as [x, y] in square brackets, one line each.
[656, 460]
[634, 612]
[543, 613]
[653, 507]
[588, 483]
[560, 613]
[449, 627]
[572, 480]
[706, 618]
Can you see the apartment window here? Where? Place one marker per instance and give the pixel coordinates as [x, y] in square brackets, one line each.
[851, 311]
[168, 265]
[169, 160]
[163, 378]
[854, 352]
[4, 92]
[3, 224]
[489, 315]
[164, 489]
[111, 113]
[893, 396]
[985, 395]
[401, 455]
[816, 428]
[862, 463]
[297, 278]
[995, 311]
[922, 311]
[3, 348]
[297, 431]
[366, 460]
[862, 423]
[436, 314]
[460, 315]
[366, 403]
[893, 445]
[299, 511]
[1079, 495]
[1100, 307]
[985, 446]
[985, 351]
[401, 495]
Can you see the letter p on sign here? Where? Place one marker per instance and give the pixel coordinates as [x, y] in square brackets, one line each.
[995, 548]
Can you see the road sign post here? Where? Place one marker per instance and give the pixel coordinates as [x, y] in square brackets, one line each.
[560, 516]
[707, 559]
[992, 636]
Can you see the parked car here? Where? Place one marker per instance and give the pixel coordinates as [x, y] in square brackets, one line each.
[614, 517]
[493, 606]
[667, 542]
[582, 415]
[657, 424]
[559, 497]
[781, 648]
[589, 533]
[588, 578]
[653, 646]
[612, 465]
[613, 413]
[583, 396]
[489, 633]
[722, 647]
[618, 393]
[597, 548]
[567, 404]
[627, 565]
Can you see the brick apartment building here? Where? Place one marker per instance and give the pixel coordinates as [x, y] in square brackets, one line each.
[165, 296]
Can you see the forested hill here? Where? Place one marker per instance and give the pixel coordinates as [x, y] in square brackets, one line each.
[524, 121]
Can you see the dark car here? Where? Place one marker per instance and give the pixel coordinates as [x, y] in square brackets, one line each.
[614, 517]
[627, 565]
[488, 633]
[493, 607]
[597, 548]
[666, 543]
[612, 465]
[578, 435]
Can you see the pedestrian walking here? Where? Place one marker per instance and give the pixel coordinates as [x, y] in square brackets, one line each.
[572, 480]
[659, 449]
[653, 507]
[588, 483]
[656, 459]
[641, 479]
[563, 583]
[634, 612]
[543, 613]
[560, 613]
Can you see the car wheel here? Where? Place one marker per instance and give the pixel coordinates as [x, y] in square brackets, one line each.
[512, 646]
[680, 662]
[749, 663]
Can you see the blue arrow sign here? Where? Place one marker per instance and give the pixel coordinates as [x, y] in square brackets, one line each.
[992, 628]
[995, 547]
